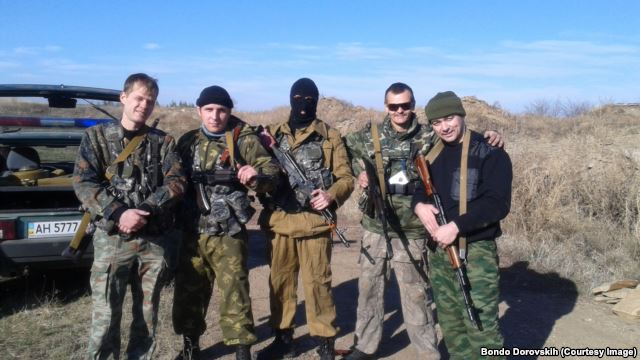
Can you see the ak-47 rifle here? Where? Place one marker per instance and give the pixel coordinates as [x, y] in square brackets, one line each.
[452, 250]
[84, 233]
[379, 205]
[300, 181]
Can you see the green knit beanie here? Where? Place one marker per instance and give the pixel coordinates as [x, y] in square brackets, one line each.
[444, 104]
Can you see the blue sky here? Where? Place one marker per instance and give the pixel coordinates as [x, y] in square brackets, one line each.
[509, 52]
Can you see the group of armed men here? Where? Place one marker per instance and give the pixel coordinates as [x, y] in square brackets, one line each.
[140, 186]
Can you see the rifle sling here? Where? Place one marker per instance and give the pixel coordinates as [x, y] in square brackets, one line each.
[86, 217]
[231, 136]
[377, 151]
[462, 204]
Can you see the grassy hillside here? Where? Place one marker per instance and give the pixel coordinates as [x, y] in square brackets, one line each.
[576, 190]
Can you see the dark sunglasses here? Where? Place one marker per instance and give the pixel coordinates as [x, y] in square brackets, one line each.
[405, 106]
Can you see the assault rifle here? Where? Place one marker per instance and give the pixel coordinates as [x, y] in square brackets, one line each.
[379, 206]
[452, 250]
[211, 177]
[299, 180]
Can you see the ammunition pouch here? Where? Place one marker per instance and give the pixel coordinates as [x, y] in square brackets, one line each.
[229, 210]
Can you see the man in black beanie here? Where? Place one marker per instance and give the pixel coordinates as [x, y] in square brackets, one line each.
[223, 160]
[299, 238]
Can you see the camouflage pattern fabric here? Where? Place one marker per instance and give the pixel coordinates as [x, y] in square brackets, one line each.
[116, 263]
[299, 242]
[396, 149]
[211, 251]
[414, 295]
[225, 261]
[310, 257]
[141, 258]
[131, 186]
[462, 339]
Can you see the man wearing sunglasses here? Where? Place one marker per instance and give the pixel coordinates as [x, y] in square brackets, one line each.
[401, 137]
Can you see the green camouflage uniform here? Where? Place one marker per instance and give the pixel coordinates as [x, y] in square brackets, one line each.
[489, 177]
[215, 243]
[408, 246]
[132, 186]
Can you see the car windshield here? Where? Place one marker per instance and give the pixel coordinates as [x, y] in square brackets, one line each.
[39, 137]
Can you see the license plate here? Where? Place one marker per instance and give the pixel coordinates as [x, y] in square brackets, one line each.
[52, 228]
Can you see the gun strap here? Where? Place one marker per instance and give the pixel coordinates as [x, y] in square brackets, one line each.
[466, 139]
[462, 205]
[86, 217]
[231, 136]
[132, 145]
[377, 152]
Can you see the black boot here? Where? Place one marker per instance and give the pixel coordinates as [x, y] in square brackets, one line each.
[280, 348]
[191, 349]
[243, 352]
[326, 348]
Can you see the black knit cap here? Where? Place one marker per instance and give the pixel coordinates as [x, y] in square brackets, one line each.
[444, 104]
[215, 95]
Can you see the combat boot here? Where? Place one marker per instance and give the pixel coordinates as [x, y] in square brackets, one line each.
[191, 349]
[243, 352]
[326, 348]
[281, 347]
[358, 355]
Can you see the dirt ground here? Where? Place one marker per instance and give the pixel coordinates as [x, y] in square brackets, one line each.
[537, 311]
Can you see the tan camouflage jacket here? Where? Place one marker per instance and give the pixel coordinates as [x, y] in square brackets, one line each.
[335, 158]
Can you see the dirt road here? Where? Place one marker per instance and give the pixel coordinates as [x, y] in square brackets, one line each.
[537, 311]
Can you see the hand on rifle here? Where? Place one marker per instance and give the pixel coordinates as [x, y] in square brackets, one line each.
[320, 199]
[363, 180]
[426, 213]
[445, 235]
[247, 175]
[132, 220]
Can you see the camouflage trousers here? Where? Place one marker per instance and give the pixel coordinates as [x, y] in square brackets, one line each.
[311, 257]
[204, 259]
[141, 262]
[462, 339]
[414, 296]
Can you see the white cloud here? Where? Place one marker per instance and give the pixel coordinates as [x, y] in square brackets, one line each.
[151, 46]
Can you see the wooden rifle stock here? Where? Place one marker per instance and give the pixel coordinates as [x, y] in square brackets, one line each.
[452, 250]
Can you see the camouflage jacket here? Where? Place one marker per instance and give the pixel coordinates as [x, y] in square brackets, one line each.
[334, 158]
[397, 149]
[200, 153]
[132, 185]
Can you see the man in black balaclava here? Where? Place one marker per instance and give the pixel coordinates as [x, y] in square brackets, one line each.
[304, 101]
[299, 237]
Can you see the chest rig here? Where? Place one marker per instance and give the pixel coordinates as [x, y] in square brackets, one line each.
[139, 174]
[309, 156]
[222, 201]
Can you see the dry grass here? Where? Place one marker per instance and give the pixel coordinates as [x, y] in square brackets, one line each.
[575, 209]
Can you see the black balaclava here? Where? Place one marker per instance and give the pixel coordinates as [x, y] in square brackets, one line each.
[307, 103]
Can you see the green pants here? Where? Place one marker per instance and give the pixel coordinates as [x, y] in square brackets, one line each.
[463, 340]
[218, 257]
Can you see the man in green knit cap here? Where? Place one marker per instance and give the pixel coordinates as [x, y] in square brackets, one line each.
[473, 209]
